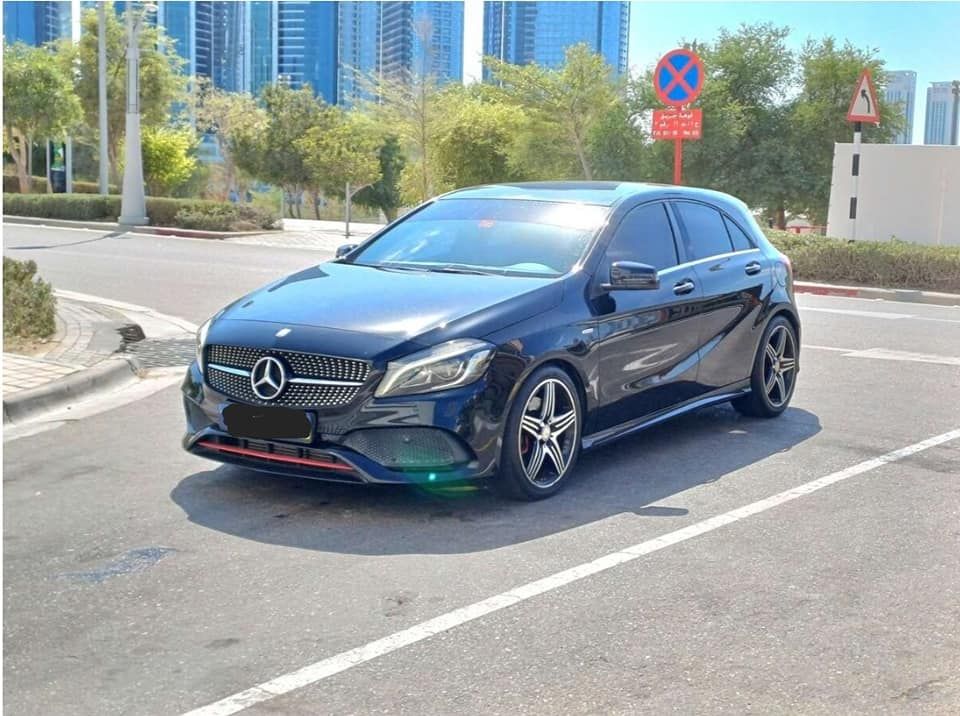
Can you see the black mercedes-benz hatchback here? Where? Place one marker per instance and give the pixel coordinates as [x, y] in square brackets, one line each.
[497, 331]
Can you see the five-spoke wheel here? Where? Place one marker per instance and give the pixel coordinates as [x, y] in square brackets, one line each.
[542, 440]
[774, 373]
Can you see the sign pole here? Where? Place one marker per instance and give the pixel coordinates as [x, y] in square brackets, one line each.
[677, 161]
[855, 174]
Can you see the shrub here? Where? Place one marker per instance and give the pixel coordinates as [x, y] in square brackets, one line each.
[28, 304]
[181, 213]
[82, 207]
[11, 184]
[889, 264]
[214, 216]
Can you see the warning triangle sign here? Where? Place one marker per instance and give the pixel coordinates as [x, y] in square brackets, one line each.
[863, 105]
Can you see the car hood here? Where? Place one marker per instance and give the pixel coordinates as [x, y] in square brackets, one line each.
[393, 306]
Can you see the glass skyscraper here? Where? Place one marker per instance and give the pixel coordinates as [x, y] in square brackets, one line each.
[902, 90]
[36, 23]
[262, 45]
[525, 32]
[307, 46]
[359, 29]
[941, 118]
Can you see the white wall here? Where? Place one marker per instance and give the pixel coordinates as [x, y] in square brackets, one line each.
[908, 191]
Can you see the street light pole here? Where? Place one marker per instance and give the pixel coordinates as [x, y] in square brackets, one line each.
[133, 203]
[102, 94]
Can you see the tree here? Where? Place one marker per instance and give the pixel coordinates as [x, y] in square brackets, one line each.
[230, 117]
[169, 158]
[829, 74]
[344, 150]
[616, 145]
[161, 81]
[572, 98]
[474, 137]
[409, 105]
[266, 146]
[38, 103]
[384, 194]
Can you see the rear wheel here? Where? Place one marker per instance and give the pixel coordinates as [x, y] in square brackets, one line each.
[542, 439]
[774, 374]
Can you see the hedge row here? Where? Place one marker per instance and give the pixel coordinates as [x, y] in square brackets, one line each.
[38, 185]
[179, 213]
[888, 264]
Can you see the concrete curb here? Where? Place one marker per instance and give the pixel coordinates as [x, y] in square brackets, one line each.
[152, 230]
[109, 373]
[886, 294]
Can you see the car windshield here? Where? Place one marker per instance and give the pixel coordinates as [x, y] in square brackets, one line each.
[502, 236]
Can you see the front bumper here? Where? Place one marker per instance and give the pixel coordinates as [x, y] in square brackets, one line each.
[448, 436]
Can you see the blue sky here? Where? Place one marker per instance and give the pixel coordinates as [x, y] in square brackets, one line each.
[919, 36]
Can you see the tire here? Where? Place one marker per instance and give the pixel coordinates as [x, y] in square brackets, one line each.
[774, 374]
[530, 451]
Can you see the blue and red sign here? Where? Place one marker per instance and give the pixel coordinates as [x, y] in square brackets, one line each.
[678, 78]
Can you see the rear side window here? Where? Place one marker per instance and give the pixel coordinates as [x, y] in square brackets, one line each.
[645, 236]
[706, 233]
[741, 242]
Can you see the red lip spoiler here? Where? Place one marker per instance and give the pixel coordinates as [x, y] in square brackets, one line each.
[324, 464]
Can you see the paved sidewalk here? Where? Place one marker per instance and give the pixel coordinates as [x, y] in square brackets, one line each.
[87, 334]
[310, 234]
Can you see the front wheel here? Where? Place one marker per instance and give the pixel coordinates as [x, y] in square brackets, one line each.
[542, 439]
[774, 374]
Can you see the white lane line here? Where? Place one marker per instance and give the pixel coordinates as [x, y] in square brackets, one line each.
[888, 354]
[319, 670]
[875, 314]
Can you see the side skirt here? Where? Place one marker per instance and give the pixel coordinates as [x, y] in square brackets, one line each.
[633, 426]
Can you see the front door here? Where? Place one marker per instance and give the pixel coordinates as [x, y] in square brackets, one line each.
[647, 339]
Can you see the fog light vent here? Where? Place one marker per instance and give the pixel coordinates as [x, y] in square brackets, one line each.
[408, 448]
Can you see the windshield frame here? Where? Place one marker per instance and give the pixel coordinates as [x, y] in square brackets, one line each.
[588, 247]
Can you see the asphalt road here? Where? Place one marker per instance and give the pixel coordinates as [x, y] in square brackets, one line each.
[140, 579]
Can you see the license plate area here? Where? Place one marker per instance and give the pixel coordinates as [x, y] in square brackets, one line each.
[267, 423]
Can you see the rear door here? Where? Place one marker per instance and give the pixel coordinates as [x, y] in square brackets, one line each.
[647, 339]
[732, 273]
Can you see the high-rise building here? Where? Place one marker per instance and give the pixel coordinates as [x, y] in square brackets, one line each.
[541, 32]
[902, 90]
[422, 38]
[307, 46]
[941, 118]
[359, 52]
[36, 23]
[229, 38]
[262, 54]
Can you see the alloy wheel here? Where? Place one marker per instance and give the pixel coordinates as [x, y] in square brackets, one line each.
[779, 365]
[548, 433]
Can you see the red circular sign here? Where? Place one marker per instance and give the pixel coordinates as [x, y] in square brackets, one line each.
[678, 78]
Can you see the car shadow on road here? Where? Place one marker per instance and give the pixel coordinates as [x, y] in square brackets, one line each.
[628, 476]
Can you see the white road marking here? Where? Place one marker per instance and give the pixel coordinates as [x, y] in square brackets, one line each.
[153, 323]
[804, 298]
[875, 314]
[888, 354]
[317, 671]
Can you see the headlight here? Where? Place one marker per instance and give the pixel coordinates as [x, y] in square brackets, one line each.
[201, 342]
[448, 365]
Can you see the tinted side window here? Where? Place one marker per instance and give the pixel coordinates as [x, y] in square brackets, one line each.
[706, 233]
[741, 242]
[645, 236]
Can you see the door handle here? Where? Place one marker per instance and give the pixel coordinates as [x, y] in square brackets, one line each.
[752, 268]
[685, 286]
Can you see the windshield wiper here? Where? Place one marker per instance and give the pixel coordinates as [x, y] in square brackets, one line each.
[457, 268]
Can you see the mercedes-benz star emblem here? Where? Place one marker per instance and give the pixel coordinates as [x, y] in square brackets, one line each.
[268, 378]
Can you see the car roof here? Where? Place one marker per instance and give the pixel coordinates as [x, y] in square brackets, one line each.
[602, 193]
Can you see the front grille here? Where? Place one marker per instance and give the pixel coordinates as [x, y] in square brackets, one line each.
[299, 365]
[303, 365]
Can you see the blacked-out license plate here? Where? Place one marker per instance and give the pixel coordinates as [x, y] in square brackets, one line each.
[254, 421]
